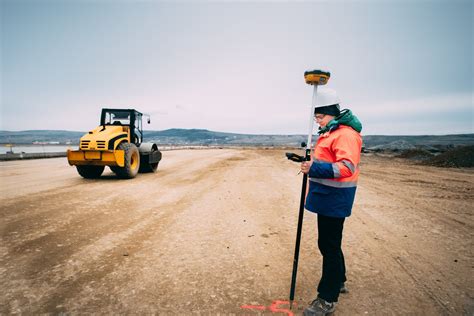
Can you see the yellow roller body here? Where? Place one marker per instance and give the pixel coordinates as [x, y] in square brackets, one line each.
[96, 158]
[98, 147]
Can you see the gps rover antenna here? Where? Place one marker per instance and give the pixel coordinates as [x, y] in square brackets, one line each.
[315, 78]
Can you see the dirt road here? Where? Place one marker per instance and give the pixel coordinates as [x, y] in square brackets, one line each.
[212, 232]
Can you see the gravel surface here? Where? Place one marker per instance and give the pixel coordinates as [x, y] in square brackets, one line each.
[213, 231]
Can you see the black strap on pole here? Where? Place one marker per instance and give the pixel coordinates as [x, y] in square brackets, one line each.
[298, 232]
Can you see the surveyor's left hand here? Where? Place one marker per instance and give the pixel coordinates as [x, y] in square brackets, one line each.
[305, 165]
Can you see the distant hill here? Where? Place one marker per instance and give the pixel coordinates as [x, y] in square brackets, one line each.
[177, 136]
[206, 137]
[31, 136]
[173, 136]
[432, 143]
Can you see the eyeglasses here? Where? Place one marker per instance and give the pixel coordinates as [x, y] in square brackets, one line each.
[319, 117]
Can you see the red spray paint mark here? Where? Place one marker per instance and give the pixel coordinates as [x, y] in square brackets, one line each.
[257, 307]
[274, 308]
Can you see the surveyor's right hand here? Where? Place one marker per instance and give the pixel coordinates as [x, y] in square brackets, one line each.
[305, 166]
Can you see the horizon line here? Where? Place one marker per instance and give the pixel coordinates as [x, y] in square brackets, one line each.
[202, 129]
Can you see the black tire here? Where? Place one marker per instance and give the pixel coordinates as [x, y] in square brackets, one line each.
[149, 167]
[90, 172]
[132, 161]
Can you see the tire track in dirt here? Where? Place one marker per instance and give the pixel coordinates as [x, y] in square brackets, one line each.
[421, 200]
[58, 203]
[426, 289]
[214, 230]
[88, 226]
[92, 263]
[208, 263]
[405, 234]
[114, 282]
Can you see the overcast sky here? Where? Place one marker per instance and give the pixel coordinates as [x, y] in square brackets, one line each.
[403, 67]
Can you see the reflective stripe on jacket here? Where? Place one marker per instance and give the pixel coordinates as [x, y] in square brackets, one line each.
[334, 173]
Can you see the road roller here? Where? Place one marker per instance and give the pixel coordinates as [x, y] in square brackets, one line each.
[116, 143]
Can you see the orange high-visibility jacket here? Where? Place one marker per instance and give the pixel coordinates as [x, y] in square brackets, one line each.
[334, 172]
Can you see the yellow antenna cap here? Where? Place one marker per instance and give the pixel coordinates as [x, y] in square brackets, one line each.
[318, 77]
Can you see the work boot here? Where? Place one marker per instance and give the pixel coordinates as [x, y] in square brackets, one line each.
[319, 307]
[343, 289]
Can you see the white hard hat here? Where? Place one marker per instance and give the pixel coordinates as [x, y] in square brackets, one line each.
[326, 97]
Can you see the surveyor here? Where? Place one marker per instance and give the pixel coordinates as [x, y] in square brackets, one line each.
[333, 172]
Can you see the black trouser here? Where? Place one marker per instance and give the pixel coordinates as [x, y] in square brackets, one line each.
[334, 268]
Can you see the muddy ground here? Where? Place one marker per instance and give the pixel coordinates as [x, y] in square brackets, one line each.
[213, 231]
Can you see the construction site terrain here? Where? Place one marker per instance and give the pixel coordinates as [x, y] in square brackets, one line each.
[213, 232]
